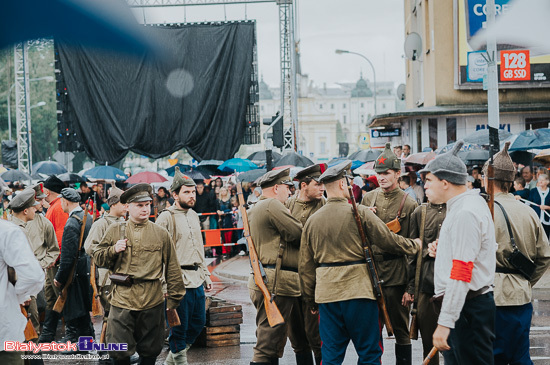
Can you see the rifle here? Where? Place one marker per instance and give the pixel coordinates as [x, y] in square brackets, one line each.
[97, 309]
[274, 316]
[367, 250]
[103, 332]
[430, 356]
[60, 302]
[413, 331]
[30, 332]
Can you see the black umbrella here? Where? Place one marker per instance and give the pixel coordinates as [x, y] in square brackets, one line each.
[522, 157]
[294, 159]
[259, 156]
[172, 169]
[474, 157]
[71, 178]
[197, 175]
[481, 136]
[15, 175]
[252, 175]
[365, 155]
[49, 168]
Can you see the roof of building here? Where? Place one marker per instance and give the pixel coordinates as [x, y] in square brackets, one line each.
[361, 89]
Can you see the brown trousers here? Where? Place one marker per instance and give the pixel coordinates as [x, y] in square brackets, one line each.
[33, 313]
[399, 315]
[426, 317]
[143, 331]
[303, 329]
[51, 292]
[270, 342]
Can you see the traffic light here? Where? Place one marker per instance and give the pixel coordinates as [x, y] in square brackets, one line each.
[278, 134]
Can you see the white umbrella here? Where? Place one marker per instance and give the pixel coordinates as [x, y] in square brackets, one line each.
[524, 25]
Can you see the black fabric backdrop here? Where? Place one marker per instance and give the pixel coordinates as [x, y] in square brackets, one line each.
[122, 105]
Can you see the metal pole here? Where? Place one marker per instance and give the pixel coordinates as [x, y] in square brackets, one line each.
[9, 110]
[340, 51]
[492, 83]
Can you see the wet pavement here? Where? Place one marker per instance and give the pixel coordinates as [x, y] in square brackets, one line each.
[229, 278]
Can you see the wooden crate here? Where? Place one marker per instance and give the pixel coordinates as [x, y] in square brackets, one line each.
[223, 321]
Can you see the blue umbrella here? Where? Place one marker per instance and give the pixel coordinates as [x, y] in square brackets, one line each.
[48, 168]
[105, 173]
[15, 175]
[532, 139]
[238, 164]
[172, 169]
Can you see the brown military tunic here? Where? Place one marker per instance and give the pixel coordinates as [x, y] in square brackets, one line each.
[304, 326]
[392, 268]
[43, 240]
[271, 225]
[426, 312]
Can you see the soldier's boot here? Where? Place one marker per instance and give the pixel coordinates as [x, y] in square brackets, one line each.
[148, 360]
[274, 361]
[180, 358]
[403, 354]
[304, 358]
[50, 327]
[169, 359]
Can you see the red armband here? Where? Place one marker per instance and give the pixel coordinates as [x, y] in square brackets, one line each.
[462, 270]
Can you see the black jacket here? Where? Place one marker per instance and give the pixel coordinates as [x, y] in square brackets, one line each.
[79, 294]
[206, 203]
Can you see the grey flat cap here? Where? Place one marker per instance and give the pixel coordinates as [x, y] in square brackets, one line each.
[313, 171]
[275, 177]
[137, 194]
[71, 195]
[449, 166]
[24, 200]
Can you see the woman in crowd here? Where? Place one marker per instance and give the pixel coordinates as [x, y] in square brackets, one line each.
[540, 196]
[225, 220]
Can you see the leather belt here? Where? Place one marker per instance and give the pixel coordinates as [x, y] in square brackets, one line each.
[346, 263]
[285, 268]
[505, 270]
[476, 293]
[194, 267]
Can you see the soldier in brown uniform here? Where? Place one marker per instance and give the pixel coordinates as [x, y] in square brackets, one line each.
[513, 289]
[116, 213]
[184, 226]
[426, 222]
[303, 323]
[275, 233]
[334, 272]
[141, 251]
[387, 202]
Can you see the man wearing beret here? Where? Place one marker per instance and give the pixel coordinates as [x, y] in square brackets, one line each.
[99, 227]
[140, 252]
[76, 311]
[513, 290]
[390, 203]
[276, 235]
[184, 226]
[465, 264]
[334, 274]
[304, 326]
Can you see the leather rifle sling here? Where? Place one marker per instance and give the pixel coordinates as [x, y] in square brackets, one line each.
[419, 255]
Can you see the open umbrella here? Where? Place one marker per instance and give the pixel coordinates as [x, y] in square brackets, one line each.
[146, 177]
[215, 163]
[71, 178]
[251, 176]
[49, 168]
[15, 175]
[532, 139]
[365, 169]
[294, 159]
[365, 155]
[237, 164]
[481, 136]
[523, 157]
[420, 158]
[172, 169]
[197, 175]
[541, 157]
[259, 157]
[105, 173]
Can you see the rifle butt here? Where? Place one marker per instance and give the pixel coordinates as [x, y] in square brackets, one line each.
[173, 318]
[274, 316]
[413, 331]
[60, 302]
[430, 356]
[30, 332]
[103, 332]
[385, 316]
[97, 308]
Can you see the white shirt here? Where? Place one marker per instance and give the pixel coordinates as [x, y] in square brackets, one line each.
[468, 235]
[543, 216]
[16, 252]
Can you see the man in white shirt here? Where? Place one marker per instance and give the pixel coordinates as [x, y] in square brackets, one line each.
[464, 266]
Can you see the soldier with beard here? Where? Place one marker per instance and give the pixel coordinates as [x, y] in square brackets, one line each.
[184, 226]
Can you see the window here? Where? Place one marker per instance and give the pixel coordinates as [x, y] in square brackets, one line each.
[451, 130]
[362, 118]
[320, 106]
[263, 108]
[344, 105]
[536, 123]
[432, 130]
[344, 119]
[332, 106]
[419, 135]
[323, 146]
[383, 105]
[362, 105]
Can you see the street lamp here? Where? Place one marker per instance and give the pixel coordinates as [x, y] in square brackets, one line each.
[341, 51]
[45, 78]
[40, 103]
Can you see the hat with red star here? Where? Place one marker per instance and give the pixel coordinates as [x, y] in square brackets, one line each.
[387, 161]
[180, 180]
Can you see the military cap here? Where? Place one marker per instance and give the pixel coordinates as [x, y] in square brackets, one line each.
[336, 172]
[54, 184]
[38, 188]
[449, 166]
[313, 171]
[71, 195]
[387, 160]
[137, 193]
[114, 196]
[24, 200]
[503, 165]
[275, 177]
[180, 180]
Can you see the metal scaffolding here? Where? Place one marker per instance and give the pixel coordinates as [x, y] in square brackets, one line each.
[22, 107]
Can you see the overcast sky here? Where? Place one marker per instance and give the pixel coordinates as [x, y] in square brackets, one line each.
[374, 28]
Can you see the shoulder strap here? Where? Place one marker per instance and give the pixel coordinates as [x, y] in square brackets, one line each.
[174, 224]
[402, 205]
[122, 235]
[420, 253]
[374, 199]
[512, 240]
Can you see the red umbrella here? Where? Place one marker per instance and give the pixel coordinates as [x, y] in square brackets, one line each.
[146, 177]
[421, 158]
